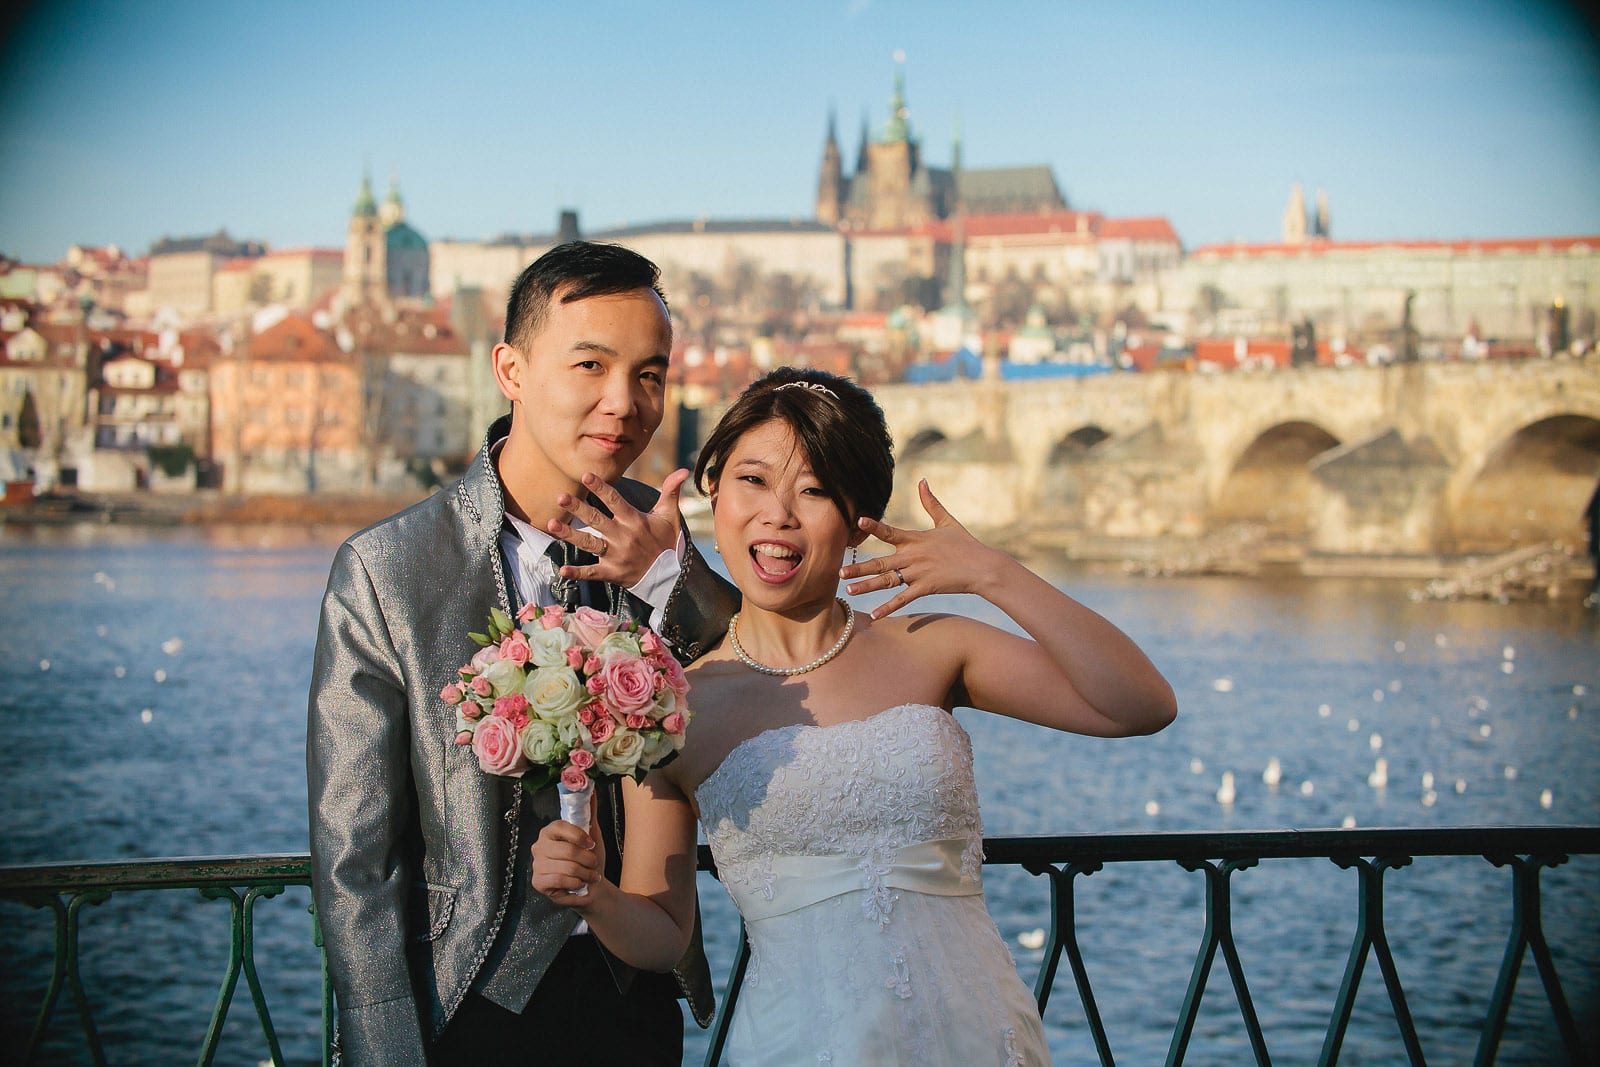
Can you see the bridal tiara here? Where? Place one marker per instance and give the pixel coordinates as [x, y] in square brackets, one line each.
[816, 387]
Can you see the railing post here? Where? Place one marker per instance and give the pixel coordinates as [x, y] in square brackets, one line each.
[719, 1029]
[1064, 935]
[1527, 931]
[1370, 934]
[1219, 931]
[327, 987]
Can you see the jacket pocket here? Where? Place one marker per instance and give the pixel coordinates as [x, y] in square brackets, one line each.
[431, 907]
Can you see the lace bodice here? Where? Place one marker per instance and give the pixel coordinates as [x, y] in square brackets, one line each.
[853, 852]
[862, 790]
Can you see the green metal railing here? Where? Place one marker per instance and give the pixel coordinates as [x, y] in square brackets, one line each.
[66, 889]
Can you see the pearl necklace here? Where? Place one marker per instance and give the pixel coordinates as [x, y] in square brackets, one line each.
[838, 646]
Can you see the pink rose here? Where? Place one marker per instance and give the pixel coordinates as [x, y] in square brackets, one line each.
[451, 694]
[527, 611]
[586, 714]
[575, 658]
[595, 684]
[590, 626]
[675, 678]
[581, 758]
[591, 665]
[464, 737]
[638, 722]
[481, 686]
[513, 706]
[515, 648]
[601, 729]
[551, 619]
[674, 723]
[498, 748]
[573, 778]
[470, 710]
[630, 684]
[486, 655]
[649, 643]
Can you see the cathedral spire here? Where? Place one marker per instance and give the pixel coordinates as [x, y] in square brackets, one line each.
[830, 181]
[899, 125]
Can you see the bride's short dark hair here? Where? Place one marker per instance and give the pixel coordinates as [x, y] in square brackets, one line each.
[837, 423]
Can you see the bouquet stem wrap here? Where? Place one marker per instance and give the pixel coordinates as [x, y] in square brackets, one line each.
[575, 810]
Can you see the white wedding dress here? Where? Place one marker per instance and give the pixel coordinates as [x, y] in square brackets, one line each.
[853, 852]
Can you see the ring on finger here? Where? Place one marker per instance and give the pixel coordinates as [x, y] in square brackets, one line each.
[598, 552]
[900, 578]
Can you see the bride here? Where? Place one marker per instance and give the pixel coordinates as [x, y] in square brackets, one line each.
[834, 785]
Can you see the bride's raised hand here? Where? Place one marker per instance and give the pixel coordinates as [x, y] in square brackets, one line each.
[945, 559]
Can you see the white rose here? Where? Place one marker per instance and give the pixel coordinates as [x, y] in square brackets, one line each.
[665, 704]
[503, 677]
[554, 693]
[620, 641]
[570, 731]
[620, 752]
[656, 748]
[548, 647]
[540, 742]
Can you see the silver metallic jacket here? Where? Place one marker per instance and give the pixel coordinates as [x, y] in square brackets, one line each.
[413, 847]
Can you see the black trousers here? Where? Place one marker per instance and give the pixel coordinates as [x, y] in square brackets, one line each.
[577, 1016]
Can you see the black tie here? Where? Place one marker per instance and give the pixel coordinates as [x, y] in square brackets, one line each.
[567, 592]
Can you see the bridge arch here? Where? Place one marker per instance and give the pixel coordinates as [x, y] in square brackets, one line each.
[1531, 486]
[1076, 443]
[1270, 481]
[920, 444]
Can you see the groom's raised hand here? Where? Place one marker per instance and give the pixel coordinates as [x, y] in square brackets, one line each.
[629, 539]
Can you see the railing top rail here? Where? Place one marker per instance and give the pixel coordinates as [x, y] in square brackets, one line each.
[164, 873]
[1285, 844]
[1490, 841]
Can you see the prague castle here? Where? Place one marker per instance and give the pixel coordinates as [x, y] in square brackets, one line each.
[894, 187]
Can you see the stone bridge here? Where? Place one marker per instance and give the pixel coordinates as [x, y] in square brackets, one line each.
[1415, 459]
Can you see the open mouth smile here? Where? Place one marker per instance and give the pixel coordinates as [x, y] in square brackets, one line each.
[775, 563]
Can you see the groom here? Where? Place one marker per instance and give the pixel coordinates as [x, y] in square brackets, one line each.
[439, 950]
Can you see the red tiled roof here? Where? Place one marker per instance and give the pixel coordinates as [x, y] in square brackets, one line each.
[1464, 246]
[295, 340]
[314, 253]
[1152, 228]
[1013, 224]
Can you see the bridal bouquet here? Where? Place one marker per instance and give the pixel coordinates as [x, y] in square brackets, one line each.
[568, 696]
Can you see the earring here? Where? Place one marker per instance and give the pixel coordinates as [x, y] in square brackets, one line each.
[716, 548]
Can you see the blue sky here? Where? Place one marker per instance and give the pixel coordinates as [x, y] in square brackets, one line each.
[121, 122]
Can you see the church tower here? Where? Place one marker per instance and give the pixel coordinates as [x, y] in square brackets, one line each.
[393, 209]
[1294, 217]
[1322, 230]
[364, 252]
[830, 183]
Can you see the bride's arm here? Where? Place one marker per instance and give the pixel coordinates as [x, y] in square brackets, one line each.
[1079, 672]
[648, 920]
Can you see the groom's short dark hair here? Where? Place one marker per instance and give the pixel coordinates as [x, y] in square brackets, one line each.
[576, 270]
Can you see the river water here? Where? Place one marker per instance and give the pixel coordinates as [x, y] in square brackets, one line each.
[152, 694]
